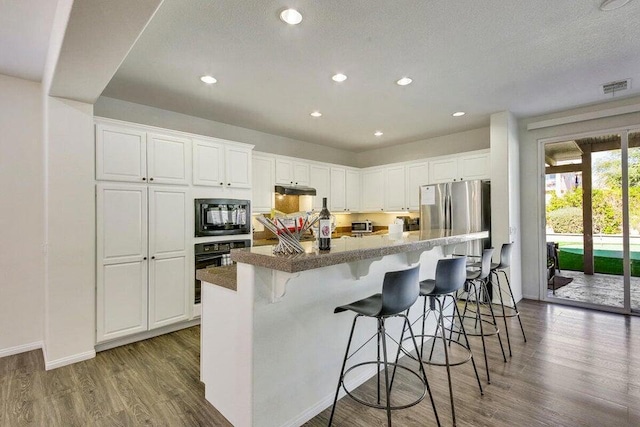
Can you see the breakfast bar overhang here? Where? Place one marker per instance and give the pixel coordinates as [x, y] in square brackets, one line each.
[272, 348]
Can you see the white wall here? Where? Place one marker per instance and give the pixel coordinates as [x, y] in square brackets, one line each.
[476, 139]
[21, 216]
[531, 184]
[505, 198]
[70, 279]
[267, 143]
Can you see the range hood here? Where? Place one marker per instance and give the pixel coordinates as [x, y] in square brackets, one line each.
[298, 190]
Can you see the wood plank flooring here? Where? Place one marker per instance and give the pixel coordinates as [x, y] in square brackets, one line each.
[578, 368]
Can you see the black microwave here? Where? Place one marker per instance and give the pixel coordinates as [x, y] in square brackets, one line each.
[218, 217]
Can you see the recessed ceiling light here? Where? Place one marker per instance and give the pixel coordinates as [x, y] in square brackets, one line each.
[612, 4]
[404, 81]
[208, 79]
[291, 16]
[458, 114]
[339, 78]
[378, 133]
[316, 114]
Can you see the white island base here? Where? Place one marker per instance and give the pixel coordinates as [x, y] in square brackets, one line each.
[272, 349]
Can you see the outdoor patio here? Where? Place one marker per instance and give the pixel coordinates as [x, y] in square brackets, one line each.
[602, 289]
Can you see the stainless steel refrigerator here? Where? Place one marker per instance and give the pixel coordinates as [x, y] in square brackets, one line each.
[463, 206]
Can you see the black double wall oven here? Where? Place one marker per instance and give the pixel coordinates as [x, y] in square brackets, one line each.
[219, 217]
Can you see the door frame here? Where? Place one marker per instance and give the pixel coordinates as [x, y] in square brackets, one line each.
[542, 265]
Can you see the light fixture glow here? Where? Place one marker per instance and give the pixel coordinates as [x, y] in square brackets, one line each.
[458, 114]
[339, 77]
[316, 114]
[378, 133]
[404, 81]
[291, 16]
[208, 79]
[612, 4]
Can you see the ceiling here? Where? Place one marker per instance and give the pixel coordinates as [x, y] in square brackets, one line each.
[25, 26]
[480, 57]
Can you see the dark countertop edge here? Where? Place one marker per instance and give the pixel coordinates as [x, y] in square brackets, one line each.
[225, 276]
[295, 264]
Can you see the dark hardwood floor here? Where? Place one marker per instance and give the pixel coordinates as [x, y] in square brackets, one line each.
[578, 368]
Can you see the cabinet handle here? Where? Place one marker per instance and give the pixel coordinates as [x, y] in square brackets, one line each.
[145, 258]
[144, 179]
[228, 183]
[381, 209]
[150, 179]
[153, 257]
[291, 182]
[222, 183]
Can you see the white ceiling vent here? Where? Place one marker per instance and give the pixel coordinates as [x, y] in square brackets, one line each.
[617, 86]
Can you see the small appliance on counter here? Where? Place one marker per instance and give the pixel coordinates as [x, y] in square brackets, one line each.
[410, 224]
[362, 226]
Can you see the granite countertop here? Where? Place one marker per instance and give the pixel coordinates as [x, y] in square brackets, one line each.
[346, 250]
[224, 276]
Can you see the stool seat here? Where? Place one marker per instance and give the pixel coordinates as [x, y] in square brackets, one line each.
[429, 288]
[369, 306]
[473, 275]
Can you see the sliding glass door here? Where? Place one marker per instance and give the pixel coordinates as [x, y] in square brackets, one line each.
[592, 213]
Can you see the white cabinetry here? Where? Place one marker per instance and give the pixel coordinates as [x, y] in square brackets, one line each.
[338, 199]
[128, 154]
[291, 172]
[416, 174]
[373, 190]
[219, 164]
[462, 167]
[394, 189]
[352, 184]
[263, 183]
[142, 258]
[319, 179]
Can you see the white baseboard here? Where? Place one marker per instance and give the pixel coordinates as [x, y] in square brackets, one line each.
[74, 358]
[20, 349]
[146, 335]
[327, 401]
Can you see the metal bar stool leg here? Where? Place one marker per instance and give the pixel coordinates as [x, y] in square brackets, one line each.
[446, 357]
[466, 339]
[344, 363]
[382, 333]
[483, 286]
[484, 345]
[515, 306]
[504, 314]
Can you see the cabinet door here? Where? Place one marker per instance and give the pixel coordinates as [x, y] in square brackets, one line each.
[416, 175]
[168, 266]
[121, 249]
[338, 198]
[284, 172]
[208, 163]
[263, 173]
[237, 167]
[352, 184]
[444, 170]
[394, 189]
[320, 180]
[474, 166]
[300, 173]
[167, 159]
[373, 190]
[121, 154]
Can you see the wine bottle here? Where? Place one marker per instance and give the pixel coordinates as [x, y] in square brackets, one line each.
[324, 229]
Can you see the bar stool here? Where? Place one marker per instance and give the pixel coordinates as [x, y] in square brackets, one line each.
[400, 291]
[476, 285]
[450, 277]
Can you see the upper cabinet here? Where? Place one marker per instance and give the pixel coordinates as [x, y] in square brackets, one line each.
[416, 174]
[291, 172]
[220, 164]
[263, 183]
[462, 167]
[352, 184]
[373, 187]
[320, 180]
[338, 199]
[128, 154]
[394, 189]
[401, 186]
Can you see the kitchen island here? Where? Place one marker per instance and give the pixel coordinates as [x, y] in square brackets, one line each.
[271, 347]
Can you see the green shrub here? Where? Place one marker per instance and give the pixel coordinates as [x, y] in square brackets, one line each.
[566, 220]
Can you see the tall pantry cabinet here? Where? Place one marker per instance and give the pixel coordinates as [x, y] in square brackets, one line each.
[142, 238]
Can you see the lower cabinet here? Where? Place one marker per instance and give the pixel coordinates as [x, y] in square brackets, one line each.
[142, 258]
